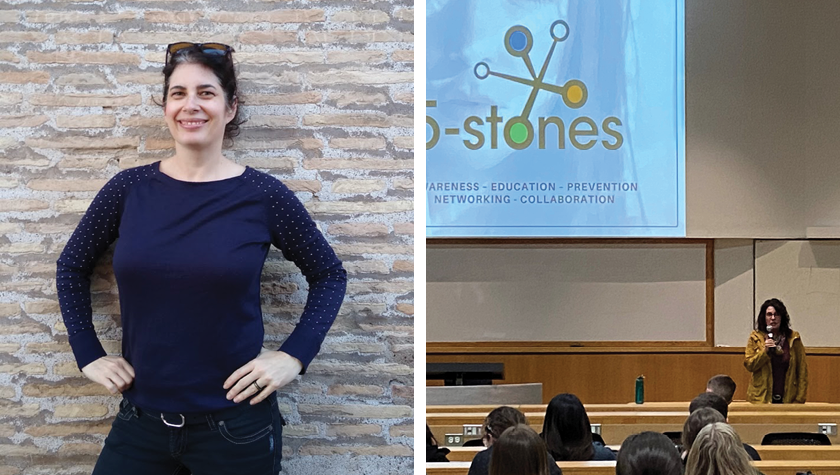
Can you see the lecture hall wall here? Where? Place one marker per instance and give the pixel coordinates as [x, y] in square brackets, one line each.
[761, 163]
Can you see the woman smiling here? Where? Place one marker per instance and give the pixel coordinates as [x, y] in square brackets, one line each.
[194, 231]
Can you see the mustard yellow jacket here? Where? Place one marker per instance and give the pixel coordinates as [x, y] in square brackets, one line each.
[757, 362]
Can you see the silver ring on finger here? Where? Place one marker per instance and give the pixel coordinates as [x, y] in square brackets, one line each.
[257, 386]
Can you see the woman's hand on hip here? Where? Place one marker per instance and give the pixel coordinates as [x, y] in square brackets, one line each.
[271, 370]
[113, 372]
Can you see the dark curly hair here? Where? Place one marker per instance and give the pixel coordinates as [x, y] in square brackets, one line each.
[222, 66]
[781, 311]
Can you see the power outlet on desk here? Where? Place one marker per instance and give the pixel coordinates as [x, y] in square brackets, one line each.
[827, 428]
[596, 429]
[472, 430]
[454, 440]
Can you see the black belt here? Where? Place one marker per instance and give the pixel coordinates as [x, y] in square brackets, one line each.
[178, 420]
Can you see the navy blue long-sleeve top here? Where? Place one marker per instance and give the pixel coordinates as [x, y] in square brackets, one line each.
[188, 263]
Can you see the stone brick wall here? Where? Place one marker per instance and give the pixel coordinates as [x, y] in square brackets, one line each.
[329, 99]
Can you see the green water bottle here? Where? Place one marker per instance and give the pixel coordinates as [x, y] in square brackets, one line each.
[640, 389]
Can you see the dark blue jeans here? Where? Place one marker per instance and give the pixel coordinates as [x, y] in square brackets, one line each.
[240, 440]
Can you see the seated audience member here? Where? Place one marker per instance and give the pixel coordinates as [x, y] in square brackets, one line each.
[717, 403]
[499, 420]
[710, 400]
[696, 421]
[519, 451]
[433, 452]
[723, 386]
[648, 453]
[718, 450]
[568, 434]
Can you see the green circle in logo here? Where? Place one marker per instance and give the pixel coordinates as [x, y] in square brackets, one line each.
[519, 132]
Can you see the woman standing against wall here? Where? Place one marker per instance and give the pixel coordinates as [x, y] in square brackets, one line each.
[194, 233]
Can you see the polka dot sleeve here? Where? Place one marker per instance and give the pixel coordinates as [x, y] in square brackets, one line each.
[96, 231]
[294, 232]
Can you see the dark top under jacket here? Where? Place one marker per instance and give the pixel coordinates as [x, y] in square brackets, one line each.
[188, 264]
[481, 463]
[780, 364]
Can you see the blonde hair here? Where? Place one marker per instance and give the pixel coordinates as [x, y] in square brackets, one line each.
[718, 450]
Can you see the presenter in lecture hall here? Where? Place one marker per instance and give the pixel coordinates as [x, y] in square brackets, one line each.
[776, 358]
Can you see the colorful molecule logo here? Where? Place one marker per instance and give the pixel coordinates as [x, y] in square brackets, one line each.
[518, 43]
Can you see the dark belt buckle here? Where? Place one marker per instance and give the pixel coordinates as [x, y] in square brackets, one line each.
[183, 420]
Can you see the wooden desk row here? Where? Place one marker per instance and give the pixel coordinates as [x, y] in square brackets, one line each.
[617, 425]
[770, 467]
[767, 452]
[536, 418]
[737, 406]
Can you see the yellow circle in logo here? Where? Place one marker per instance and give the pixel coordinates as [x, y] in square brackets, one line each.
[574, 94]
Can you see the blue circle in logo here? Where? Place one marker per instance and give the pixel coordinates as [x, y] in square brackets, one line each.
[518, 41]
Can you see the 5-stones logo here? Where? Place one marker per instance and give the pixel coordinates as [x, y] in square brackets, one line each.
[518, 131]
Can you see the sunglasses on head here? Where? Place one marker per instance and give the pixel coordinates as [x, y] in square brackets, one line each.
[212, 49]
